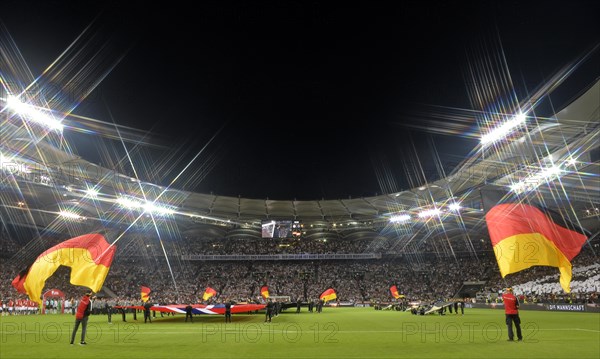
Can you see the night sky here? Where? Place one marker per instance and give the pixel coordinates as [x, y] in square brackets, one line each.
[304, 100]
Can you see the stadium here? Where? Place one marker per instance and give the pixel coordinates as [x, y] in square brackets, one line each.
[416, 270]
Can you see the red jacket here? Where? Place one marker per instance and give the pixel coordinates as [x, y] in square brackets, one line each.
[82, 307]
[511, 303]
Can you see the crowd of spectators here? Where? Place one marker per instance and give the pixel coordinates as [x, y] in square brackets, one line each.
[540, 284]
[273, 246]
[179, 281]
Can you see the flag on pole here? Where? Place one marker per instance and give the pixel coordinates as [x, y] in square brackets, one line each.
[328, 295]
[145, 292]
[264, 291]
[208, 293]
[524, 235]
[89, 256]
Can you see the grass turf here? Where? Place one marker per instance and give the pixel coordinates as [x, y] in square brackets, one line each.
[336, 333]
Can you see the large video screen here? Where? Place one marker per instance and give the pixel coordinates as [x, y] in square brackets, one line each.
[281, 229]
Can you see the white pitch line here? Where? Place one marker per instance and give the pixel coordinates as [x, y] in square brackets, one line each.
[323, 331]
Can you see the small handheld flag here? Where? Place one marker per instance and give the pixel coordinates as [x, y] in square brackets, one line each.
[145, 292]
[395, 293]
[264, 291]
[328, 295]
[208, 293]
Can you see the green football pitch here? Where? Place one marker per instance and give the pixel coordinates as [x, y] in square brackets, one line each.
[336, 333]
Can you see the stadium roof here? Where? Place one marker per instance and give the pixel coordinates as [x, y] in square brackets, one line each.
[41, 180]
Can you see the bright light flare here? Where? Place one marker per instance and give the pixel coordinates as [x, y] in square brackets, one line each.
[128, 203]
[503, 130]
[430, 213]
[454, 206]
[571, 161]
[518, 187]
[92, 193]
[534, 181]
[400, 218]
[550, 172]
[70, 215]
[147, 206]
[34, 114]
[150, 207]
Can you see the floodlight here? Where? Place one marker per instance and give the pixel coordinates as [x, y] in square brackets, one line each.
[503, 130]
[430, 213]
[454, 206]
[34, 114]
[399, 218]
[70, 215]
[92, 192]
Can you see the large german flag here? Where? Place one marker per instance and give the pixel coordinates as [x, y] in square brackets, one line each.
[89, 257]
[208, 293]
[264, 291]
[145, 293]
[328, 295]
[525, 235]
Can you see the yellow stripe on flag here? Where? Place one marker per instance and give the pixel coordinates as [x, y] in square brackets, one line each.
[84, 271]
[524, 251]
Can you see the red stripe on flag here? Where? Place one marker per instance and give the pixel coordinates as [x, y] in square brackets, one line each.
[507, 220]
[100, 251]
[89, 256]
